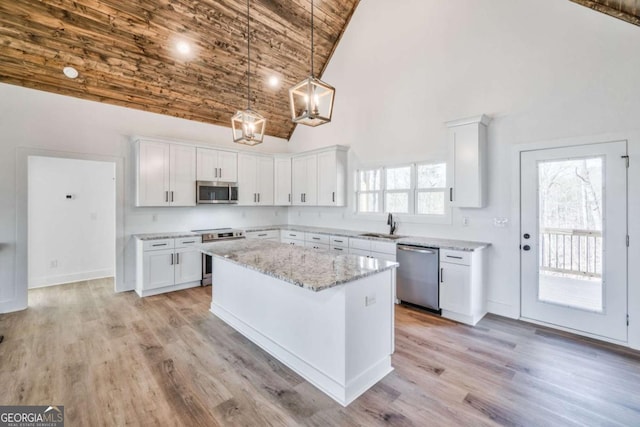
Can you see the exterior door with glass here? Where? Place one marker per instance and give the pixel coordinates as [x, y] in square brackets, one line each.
[574, 238]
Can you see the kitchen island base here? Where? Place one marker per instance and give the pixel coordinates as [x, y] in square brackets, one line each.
[339, 339]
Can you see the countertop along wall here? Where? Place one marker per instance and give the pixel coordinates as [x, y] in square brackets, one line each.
[38, 122]
[544, 70]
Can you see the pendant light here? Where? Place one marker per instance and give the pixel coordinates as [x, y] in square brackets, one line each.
[248, 126]
[312, 99]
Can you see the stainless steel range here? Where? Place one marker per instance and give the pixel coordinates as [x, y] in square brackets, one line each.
[215, 235]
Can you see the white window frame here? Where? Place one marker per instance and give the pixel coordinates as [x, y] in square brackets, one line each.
[409, 191]
[379, 192]
[412, 216]
[443, 190]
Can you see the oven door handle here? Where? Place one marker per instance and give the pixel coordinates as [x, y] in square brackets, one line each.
[414, 249]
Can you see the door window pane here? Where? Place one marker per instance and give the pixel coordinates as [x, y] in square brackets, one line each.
[432, 175]
[570, 212]
[399, 178]
[430, 203]
[397, 202]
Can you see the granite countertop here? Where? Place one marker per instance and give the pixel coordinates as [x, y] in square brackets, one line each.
[308, 268]
[458, 245]
[168, 235]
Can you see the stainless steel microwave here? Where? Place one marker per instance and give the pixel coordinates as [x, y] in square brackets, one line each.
[210, 192]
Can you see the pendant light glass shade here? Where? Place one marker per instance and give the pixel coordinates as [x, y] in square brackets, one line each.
[247, 125]
[312, 99]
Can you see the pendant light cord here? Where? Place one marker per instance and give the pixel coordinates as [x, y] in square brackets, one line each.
[312, 38]
[248, 59]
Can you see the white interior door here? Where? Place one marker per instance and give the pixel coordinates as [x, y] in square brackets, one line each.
[574, 238]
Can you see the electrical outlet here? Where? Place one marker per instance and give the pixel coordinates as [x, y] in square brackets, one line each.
[465, 221]
[94, 216]
[54, 263]
[154, 217]
[369, 300]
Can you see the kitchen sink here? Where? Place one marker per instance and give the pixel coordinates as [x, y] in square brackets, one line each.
[381, 236]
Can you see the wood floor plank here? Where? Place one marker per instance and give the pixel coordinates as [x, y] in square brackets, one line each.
[116, 359]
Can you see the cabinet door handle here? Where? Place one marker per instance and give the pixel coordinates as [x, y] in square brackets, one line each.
[454, 257]
[190, 241]
[166, 196]
[289, 197]
[177, 258]
[254, 197]
[301, 198]
[159, 244]
[215, 172]
[258, 197]
[451, 194]
[441, 275]
[333, 196]
[220, 172]
[262, 235]
[171, 259]
[172, 196]
[338, 241]
[315, 238]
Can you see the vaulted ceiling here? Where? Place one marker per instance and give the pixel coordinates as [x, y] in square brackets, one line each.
[126, 52]
[627, 10]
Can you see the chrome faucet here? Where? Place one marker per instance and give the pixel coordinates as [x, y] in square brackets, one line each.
[392, 224]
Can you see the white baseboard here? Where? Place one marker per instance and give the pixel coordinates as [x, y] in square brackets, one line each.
[157, 291]
[41, 282]
[502, 309]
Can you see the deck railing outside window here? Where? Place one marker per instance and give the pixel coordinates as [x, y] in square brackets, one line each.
[575, 252]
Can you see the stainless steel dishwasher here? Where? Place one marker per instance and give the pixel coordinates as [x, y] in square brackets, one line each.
[417, 277]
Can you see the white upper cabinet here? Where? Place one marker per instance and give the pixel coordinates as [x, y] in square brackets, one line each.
[255, 179]
[466, 168]
[305, 180]
[282, 181]
[332, 177]
[217, 165]
[166, 174]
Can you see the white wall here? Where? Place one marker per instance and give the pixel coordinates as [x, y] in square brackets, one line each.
[544, 70]
[38, 122]
[70, 239]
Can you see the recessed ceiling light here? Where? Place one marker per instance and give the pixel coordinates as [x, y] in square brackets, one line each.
[183, 47]
[70, 72]
[274, 81]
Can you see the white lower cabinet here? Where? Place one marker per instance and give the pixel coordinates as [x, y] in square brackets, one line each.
[461, 286]
[167, 265]
[373, 249]
[273, 235]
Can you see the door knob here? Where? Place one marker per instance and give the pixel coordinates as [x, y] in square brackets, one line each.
[526, 247]
[526, 235]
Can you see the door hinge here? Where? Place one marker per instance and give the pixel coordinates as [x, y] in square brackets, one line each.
[627, 240]
[626, 158]
[627, 320]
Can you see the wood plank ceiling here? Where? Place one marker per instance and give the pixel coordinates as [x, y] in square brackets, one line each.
[627, 10]
[126, 52]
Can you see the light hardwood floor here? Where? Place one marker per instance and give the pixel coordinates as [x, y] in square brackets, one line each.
[115, 359]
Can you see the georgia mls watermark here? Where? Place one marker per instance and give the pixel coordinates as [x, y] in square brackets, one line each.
[31, 416]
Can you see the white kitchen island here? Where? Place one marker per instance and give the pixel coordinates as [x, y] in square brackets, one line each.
[328, 317]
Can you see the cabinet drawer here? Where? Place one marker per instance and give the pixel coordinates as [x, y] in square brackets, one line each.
[361, 244]
[384, 247]
[185, 242]
[296, 235]
[292, 242]
[339, 250]
[156, 245]
[268, 234]
[360, 252]
[455, 257]
[340, 241]
[317, 246]
[316, 238]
